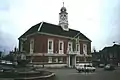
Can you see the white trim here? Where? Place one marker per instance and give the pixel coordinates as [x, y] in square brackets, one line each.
[56, 36]
[85, 49]
[46, 54]
[50, 50]
[49, 59]
[56, 60]
[69, 61]
[31, 46]
[61, 51]
[23, 39]
[40, 26]
[61, 36]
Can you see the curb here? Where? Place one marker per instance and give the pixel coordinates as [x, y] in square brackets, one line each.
[39, 77]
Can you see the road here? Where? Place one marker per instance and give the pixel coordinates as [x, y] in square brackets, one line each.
[72, 74]
[99, 74]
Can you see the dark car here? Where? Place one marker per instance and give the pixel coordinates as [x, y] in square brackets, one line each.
[101, 65]
[109, 67]
[4, 68]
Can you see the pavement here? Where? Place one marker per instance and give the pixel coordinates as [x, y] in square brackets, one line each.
[99, 74]
[72, 74]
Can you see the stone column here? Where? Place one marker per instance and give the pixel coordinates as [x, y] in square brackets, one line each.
[68, 61]
[75, 60]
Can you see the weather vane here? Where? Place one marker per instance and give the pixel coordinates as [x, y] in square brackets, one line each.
[63, 4]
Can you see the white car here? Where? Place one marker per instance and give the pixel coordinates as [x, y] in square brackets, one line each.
[3, 61]
[8, 62]
[85, 68]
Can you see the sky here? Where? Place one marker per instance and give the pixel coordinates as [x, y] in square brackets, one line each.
[97, 19]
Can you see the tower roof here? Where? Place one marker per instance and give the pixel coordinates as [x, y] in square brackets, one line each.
[63, 9]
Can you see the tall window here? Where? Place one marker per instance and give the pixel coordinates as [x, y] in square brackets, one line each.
[70, 46]
[77, 47]
[61, 46]
[49, 59]
[50, 46]
[85, 48]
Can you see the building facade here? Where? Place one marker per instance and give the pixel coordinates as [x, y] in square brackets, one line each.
[108, 55]
[55, 45]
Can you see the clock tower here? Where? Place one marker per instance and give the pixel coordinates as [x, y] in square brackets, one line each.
[63, 18]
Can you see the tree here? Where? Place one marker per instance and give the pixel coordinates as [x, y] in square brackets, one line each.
[9, 57]
[0, 54]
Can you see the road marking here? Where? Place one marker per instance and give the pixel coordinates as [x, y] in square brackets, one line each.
[83, 73]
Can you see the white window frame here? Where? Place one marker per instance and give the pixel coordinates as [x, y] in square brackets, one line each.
[31, 45]
[61, 60]
[50, 50]
[62, 47]
[49, 59]
[56, 60]
[69, 46]
[78, 45]
[85, 49]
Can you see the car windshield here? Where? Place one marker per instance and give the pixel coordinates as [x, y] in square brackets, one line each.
[87, 66]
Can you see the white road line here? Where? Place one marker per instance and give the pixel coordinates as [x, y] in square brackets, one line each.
[83, 73]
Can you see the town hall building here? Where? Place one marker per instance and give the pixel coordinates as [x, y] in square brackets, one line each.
[55, 45]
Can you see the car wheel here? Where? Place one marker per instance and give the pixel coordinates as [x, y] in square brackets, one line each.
[79, 71]
[93, 70]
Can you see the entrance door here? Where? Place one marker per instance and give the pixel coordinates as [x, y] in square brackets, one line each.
[71, 61]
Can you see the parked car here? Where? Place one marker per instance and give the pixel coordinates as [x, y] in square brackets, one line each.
[3, 61]
[8, 62]
[85, 68]
[4, 68]
[101, 65]
[109, 67]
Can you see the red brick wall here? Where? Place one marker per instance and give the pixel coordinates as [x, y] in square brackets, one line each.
[41, 44]
[88, 47]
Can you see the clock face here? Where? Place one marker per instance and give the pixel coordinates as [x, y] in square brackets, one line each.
[63, 18]
[65, 26]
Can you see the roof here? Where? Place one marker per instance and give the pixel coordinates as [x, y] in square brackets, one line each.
[111, 47]
[55, 30]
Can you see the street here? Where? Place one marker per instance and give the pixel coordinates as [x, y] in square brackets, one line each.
[99, 74]
[72, 74]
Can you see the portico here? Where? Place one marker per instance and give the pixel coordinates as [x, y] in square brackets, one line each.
[71, 60]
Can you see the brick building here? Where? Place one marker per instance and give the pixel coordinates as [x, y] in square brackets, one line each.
[51, 44]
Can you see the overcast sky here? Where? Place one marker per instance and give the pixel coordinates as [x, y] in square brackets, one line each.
[99, 20]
